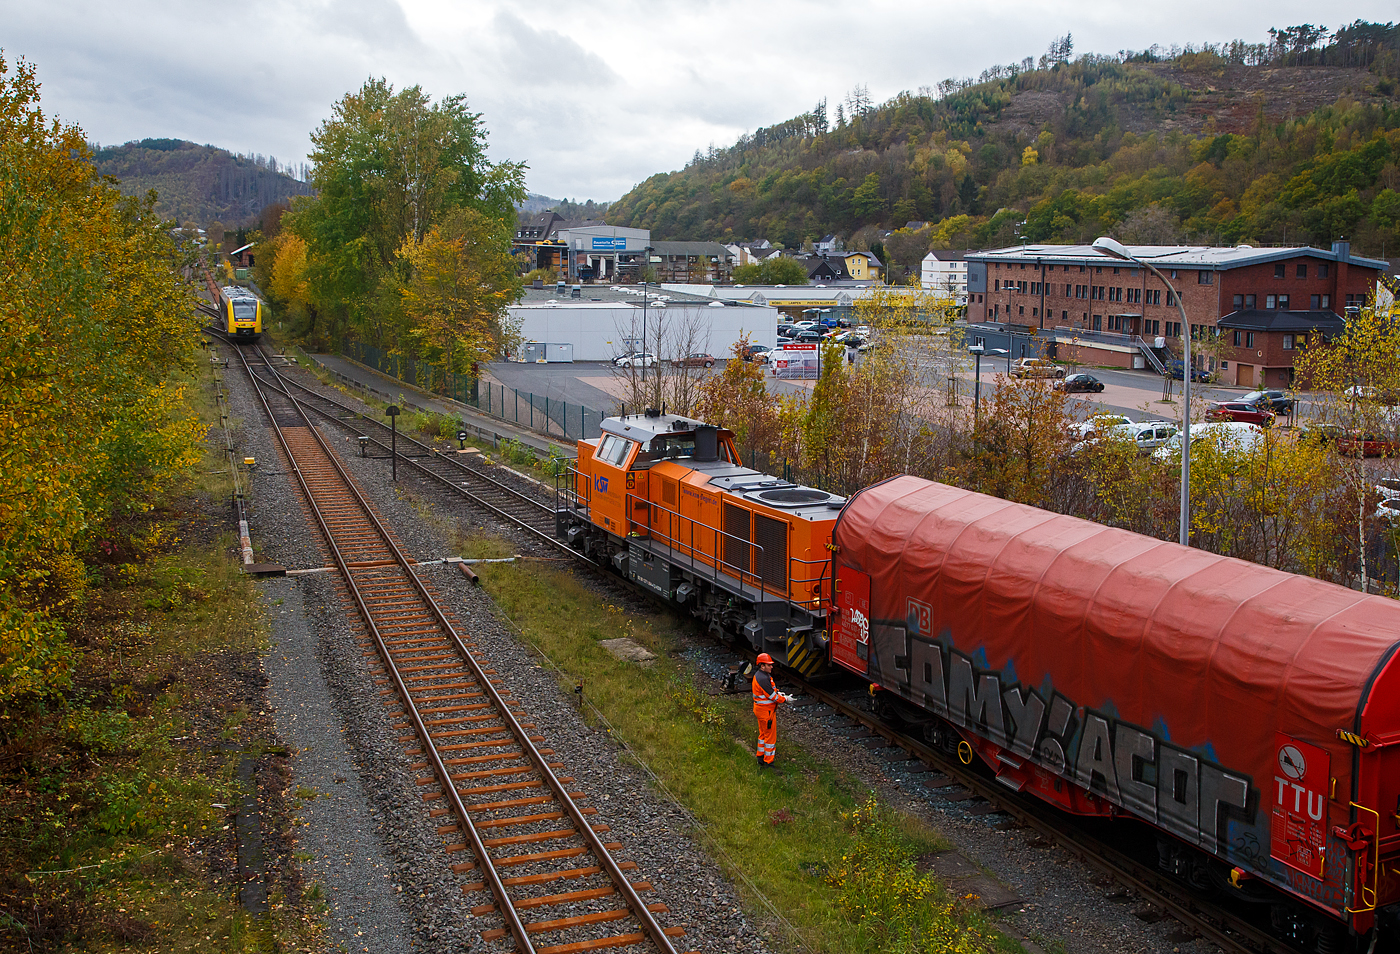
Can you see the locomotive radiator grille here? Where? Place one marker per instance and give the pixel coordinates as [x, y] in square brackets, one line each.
[736, 537]
[772, 536]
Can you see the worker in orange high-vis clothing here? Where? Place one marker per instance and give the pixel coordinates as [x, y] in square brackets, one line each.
[765, 708]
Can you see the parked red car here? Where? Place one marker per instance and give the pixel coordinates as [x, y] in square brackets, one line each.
[697, 360]
[1367, 445]
[1240, 411]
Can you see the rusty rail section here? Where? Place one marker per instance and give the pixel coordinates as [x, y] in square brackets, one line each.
[466, 733]
[453, 472]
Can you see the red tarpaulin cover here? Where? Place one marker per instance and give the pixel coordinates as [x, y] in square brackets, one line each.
[1204, 652]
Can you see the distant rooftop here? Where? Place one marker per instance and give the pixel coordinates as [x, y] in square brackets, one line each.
[614, 295]
[1173, 256]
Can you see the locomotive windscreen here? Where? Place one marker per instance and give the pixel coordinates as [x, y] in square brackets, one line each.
[245, 309]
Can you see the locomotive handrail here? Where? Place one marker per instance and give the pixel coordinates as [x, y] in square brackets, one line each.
[818, 579]
[689, 548]
[568, 486]
[788, 578]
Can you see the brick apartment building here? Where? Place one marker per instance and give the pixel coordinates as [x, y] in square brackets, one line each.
[1267, 303]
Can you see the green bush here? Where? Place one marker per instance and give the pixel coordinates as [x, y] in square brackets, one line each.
[900, 908]
[518, 452]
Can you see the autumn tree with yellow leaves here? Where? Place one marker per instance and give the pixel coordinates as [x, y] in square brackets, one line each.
[409, 213]
[93, 424]
[461, 280]
[739, 399]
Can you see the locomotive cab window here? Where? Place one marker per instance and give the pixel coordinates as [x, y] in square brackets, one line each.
[614, 450]
[245, 311]
[671, 446]
[676, 447]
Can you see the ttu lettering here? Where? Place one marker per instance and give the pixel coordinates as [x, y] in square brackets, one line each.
[1123, 763]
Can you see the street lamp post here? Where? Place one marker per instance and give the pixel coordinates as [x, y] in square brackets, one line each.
[646, 264]
[976, 351]
[1115, 249]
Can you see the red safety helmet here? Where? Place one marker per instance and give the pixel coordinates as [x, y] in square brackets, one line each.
[764, 659]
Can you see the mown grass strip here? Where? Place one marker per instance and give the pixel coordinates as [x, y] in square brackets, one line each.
[838, 867]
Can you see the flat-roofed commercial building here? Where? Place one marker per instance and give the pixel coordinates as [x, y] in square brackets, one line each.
[606, 321]
[1268, 303]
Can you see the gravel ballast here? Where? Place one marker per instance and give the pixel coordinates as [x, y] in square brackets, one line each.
[363, 815]
[373, 846]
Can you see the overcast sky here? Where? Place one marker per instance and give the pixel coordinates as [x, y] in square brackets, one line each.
[594, 97]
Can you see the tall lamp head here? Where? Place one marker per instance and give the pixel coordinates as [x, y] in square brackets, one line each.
[1112, 248]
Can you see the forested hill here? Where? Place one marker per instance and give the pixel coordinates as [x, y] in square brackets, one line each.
[1294, 140]
[196, 183]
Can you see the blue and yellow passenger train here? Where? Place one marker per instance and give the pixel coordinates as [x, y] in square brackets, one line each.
[242, 313]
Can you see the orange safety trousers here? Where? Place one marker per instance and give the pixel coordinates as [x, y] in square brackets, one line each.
[767, 732]
[765, 706]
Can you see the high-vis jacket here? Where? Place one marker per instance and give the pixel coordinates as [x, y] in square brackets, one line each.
[765, 694]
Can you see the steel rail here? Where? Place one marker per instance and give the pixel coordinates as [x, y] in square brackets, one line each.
[622, 884]
[1213, 922]
[515, 925]
[539, 535]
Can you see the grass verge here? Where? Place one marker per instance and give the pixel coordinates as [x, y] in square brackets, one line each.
[117, 800]
[807, 837]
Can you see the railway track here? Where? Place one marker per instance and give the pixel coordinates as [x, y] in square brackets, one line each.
[535, 865]
[1211, 921]
[1217, 924]
[458, 473]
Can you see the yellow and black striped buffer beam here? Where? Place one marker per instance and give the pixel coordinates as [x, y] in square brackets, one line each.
[802, 657]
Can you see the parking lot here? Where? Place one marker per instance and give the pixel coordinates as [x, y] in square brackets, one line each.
[1138, 394]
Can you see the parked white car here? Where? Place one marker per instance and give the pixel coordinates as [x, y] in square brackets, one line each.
[1096, 425]
[635, 359]
[1147, 435]
[1227, 435]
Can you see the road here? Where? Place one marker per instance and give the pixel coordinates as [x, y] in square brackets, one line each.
[1137, 394]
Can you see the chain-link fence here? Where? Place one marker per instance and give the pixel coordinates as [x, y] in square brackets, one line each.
[543, 414]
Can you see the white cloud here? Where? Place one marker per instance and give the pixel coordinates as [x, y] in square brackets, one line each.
[593, 98]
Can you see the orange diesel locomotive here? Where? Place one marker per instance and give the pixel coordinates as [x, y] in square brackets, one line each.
[666, 501]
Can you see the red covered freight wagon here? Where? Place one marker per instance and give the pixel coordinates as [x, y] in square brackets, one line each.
[1251, 715]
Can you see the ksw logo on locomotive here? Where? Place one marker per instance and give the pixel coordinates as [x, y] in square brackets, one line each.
[1171, 786]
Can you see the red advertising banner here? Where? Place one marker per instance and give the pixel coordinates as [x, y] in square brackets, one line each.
[851, 640]
[1298, 830]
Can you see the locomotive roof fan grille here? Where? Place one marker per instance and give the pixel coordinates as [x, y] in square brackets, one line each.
[793, 496]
